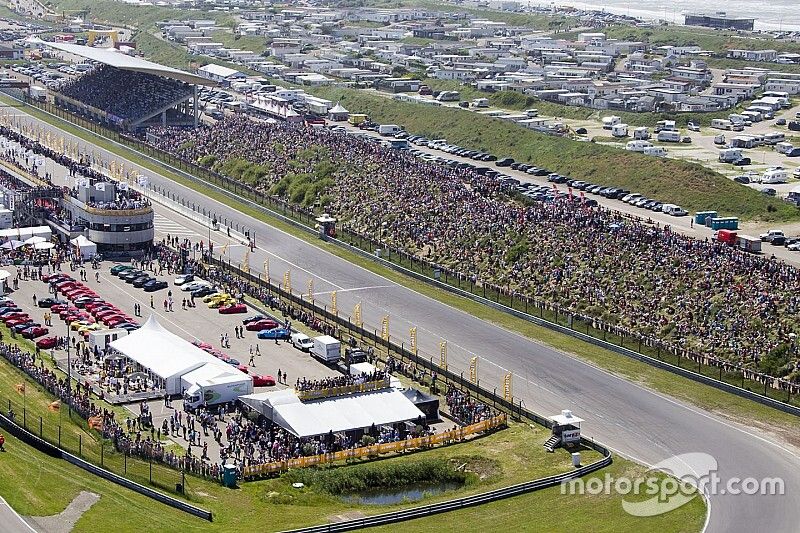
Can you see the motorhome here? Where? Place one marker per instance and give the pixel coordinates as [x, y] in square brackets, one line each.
[619, 130]
[730, 155]
[674, 210]
[666, 125]
[610, 122]
[784, 148]
[721, 124]
[641, 133]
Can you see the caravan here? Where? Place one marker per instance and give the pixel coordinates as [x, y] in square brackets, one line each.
[775, 175]
[668, 136]
[657, 151]
[641, 133]
[638, 146]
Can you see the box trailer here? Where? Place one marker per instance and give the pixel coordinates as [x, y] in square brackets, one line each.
[326, 349]
[748, 243]
[220, 389]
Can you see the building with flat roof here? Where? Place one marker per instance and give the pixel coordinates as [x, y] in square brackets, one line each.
[719, 19]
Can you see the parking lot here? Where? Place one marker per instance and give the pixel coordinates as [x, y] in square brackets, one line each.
[194, 324]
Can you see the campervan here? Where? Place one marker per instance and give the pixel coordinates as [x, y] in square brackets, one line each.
[619, 130]
[610, 122]
[641, 133]
[730, 155]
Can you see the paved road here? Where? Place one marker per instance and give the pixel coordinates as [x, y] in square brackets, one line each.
[10, 521]
[631, 419]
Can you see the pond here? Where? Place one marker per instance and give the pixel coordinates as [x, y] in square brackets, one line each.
[389, 496]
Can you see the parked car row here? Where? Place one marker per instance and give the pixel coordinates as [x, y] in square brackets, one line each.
[138, 278]
[19, 321]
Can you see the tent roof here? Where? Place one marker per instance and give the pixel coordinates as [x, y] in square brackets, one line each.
[163, 352]
[337, 414]
[82, 241]
[338, 108]
[116, 59]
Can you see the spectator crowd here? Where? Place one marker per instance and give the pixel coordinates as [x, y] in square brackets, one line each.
[125, 94]
[617, 272]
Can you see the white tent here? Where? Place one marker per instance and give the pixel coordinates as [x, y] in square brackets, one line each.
[337, 414]
[35, 240]
[25, 233]
[85, 247]
[167, 356]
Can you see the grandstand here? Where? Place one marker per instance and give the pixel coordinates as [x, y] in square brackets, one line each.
[129, 93]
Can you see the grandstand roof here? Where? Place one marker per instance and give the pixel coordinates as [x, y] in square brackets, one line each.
[116, 59]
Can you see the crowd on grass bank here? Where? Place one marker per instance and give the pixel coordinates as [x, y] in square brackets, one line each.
[621, 274]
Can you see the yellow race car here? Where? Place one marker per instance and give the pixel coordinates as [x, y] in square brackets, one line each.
[221, 303]
[90, 327]
[77, 324]
[218, 296]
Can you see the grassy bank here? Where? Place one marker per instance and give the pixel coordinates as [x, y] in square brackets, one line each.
[690, 185]
[746, 411]
[44, 486]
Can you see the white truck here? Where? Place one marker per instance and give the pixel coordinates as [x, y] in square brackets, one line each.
[220, 389]
[389, 129]
[38, 93]
[302, 342]
[326, 349]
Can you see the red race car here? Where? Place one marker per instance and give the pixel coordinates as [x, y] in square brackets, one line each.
[47, 343]
[258, 325]
[232, 309]
[34, 332]
[17, 321]
[263, 381]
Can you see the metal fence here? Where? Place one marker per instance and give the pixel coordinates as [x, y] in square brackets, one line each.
[87, 444]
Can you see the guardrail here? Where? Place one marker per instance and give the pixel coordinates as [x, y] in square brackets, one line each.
[54, 451]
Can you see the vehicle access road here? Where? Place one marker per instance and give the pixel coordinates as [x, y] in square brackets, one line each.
[628, 417]
[10, 521]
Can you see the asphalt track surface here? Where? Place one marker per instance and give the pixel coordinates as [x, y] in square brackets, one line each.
[634, 421]
[10, 521]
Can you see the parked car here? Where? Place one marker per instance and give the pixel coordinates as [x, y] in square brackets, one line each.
[47, 343]
[180, 280]
[233, 309]
[260, 325]
[252, 318]
[155, 285]
[142, 281]
[49, 302]
[116, 270]
[263, 380]
[274, 333]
